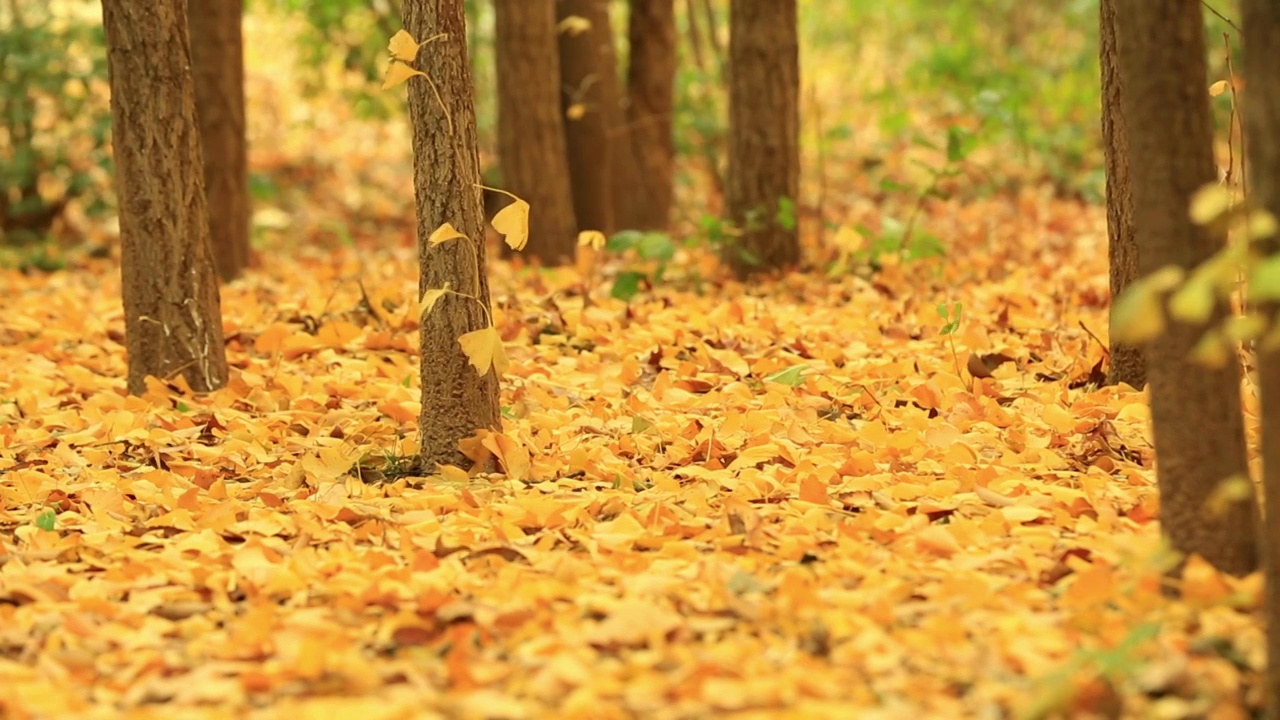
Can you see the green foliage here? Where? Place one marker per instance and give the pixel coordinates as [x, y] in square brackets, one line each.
[791, 377]
[1027, 72]
[54, 115]
[1142, 312]
[47, 520]
[655, 250]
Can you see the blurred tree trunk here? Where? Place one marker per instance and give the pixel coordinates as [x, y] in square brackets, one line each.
[1127, 363]
[531, 139]
[173, 317]
[764, 135]
[217, 60]
[651, 77]
[1195, 410]
[602, 168]
[1261, 35]
[446, 175]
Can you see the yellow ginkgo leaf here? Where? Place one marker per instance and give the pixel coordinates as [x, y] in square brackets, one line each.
[513, 222]
[1209, 203]
[1217, 88]
[445, 233]
[398, 73]
[576, 111]
[593, 239]
[483, 349]
[429, 299]
[403, 46]
[574, 25]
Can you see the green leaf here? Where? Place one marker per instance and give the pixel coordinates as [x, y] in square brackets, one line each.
[792, 376]
[47, 520]
[655, 246]
[1264, 281]
[627, 285]
[623, 240]
[639, 424]
[786, 216]
[1137, 316]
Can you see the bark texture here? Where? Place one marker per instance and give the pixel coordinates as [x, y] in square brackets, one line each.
[601, 168]
[456, 402]
[1261, 25]
[764, 135]
[217, 59]
[651, 76]
[1195, 410]
[1127, 363]
[531, 138]
[172, 311]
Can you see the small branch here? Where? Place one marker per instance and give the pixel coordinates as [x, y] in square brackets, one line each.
[1220, 16]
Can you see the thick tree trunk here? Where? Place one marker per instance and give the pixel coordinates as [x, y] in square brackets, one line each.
[1127, 363]
[1261, 25]
[446, 176]
[764, 135]
[217, 59]
[651, 77]
[531, 140]
[1195, 410]
[602, 167]
[173, 323]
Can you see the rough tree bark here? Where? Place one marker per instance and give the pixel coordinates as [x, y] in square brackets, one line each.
[764, 134]
[1195, 410]
[1127, 363]
[531, 138]
[217, 59]
[172, 311]
[651, 77]
[456, 402]
[1261, 26]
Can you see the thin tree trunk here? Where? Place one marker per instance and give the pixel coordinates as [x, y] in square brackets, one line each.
[1261, 25]
[1127, 363]
[764, 135]
[601, 163]
[446, 175]
[651, 76]
[172, 311]
[531, 138]
[217, 59]
[1195, 410]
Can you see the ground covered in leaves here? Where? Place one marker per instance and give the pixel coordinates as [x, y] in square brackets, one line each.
[797, 498]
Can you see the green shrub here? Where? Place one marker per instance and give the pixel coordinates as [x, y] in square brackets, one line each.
[54, 115]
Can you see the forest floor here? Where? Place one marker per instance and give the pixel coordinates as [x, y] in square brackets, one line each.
[787, 499]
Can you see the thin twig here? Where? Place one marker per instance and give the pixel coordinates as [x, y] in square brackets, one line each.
[1220, 16]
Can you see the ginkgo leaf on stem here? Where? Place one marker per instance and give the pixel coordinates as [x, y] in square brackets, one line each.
[483, 349]
[403, 47]
[430, 298]
[445, 233]
[513, 222]
[397, 73]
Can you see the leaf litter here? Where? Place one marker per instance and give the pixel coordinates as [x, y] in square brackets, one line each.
[794, 499]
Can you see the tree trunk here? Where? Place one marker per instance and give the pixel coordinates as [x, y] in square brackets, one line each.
[217, 60]
[1261, 35]
[173, 323]
[446, 176]
[1127, 363]
[531, 139]
[600, 166]
[764, 135]
[1195, 410]
[651, 77]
